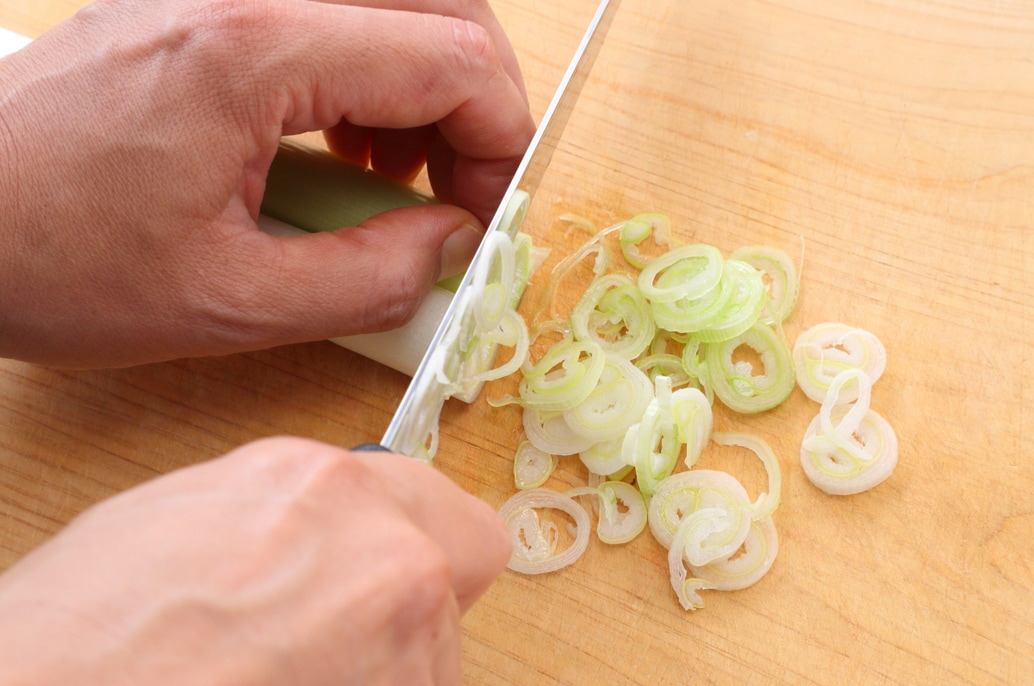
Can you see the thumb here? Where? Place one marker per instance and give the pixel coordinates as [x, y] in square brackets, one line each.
[359, 279]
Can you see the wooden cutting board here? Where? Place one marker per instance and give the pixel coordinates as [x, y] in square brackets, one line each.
[892, 145]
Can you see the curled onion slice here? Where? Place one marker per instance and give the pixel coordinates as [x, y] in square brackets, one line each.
[652, 445]
[622, 510]
[684, 493]
[604, 458]
[534, 541]
[848, 448]
[638, 229]
[614, 313]
[617, 402]
[737, 384]
[564, 377]
[767, 502]
[737, 572]
[825, 350]
[783, 282]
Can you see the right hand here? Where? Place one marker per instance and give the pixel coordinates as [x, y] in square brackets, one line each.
[284, 562]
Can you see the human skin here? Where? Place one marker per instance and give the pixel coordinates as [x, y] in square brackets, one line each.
[136, 137]
[134, 141]
[284, 562]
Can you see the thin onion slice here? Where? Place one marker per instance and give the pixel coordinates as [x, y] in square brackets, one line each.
[737, 572]
[535, 543]
[531, 466]
[613, 313]
[848, 448]
[783, 282]
[697, 489]
[825, 350]
[737, 384]
[616, 525]
[767, 502]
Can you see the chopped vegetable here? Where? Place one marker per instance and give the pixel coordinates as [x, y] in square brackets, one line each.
[848, 448]
[825, 350]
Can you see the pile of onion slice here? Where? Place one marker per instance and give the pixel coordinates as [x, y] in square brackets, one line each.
[629, 388]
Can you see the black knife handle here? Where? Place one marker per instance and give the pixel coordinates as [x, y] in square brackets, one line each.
[371, 447]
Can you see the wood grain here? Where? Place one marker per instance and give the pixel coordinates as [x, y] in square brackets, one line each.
[892, 143]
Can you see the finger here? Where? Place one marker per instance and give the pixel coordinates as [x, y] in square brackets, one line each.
[469, 531]
[400, 154]
[406, 70]
[477, 11]
[359, 279]
[350, 142]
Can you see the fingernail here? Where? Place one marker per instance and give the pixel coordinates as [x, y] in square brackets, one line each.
[458, 249]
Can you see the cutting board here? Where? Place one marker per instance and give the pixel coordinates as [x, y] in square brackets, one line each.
[891, 147]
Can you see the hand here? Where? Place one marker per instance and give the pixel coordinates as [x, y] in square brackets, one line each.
[135, 140]
[284, 562]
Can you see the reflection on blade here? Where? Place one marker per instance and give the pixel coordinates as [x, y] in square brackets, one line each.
[417, 415]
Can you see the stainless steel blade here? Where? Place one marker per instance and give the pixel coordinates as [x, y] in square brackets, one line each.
[420, 406]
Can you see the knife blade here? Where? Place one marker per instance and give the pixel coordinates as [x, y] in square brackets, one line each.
[418, 411]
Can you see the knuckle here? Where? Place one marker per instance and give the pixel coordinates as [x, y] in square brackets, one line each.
[472, 47]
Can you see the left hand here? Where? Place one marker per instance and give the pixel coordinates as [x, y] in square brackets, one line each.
[134, 144]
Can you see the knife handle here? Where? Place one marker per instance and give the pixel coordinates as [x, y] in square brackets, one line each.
[371, 447]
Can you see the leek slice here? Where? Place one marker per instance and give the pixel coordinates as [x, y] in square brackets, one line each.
[615, 526]
[535, 541]
[767, 502]
[614, 313]
[618, 401]
[531, 466]
[563, 377]
[737, 384]
[735, 573]
[848, 448]
[825, 350]
[636, 230]
[652, 445]
[783, 283]
[683, 493]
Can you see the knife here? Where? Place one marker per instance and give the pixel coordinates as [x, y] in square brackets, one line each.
[417, 413]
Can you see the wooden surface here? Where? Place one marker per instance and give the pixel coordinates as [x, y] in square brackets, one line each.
[895, 142]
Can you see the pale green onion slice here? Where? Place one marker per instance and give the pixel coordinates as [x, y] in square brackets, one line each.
[563, 377]
[614, 313]
[550, 432]
[693, 420]
[622, 510]
[665, 364]
[652, 445]
[689, 273]
[604, 458]
[617, 402]
[694, 528]
[825, 350]
[767, 502]
[848, 448]
[616, 525]
[638, 229]
[744, 570]
[742, 298]
[531, 466]
[686, 492]
[535, 542]
[783, 282]
[737, 384]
